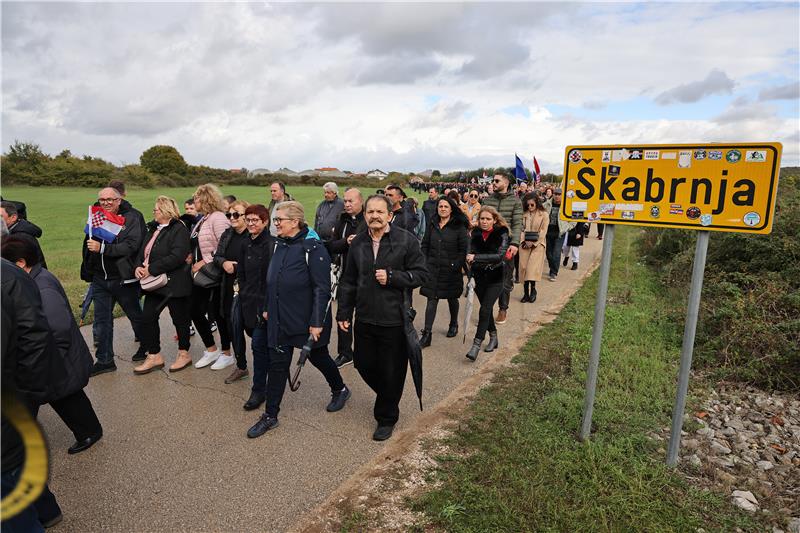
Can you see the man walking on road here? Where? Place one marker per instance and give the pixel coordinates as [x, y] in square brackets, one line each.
[510, 207]
[328, 211]
[384, 265]
[403, 215]
[350, 223]
[556, 230]
[109, 268]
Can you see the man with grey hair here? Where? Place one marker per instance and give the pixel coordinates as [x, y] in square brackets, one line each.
[328, 211]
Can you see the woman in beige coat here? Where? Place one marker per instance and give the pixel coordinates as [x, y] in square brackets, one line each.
[532, 252]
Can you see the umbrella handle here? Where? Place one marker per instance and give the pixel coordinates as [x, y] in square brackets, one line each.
[294, 381]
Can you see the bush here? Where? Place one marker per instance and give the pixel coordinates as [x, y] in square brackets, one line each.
[749, 327]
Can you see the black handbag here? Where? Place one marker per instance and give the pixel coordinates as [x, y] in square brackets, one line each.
[532, 236]
[209, 275]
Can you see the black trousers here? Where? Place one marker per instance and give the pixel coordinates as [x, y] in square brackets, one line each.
[206, 301]
[487, 295]
[508, 283]
[600, 229]
[154, 304]
[381, 357]
[430, 312]
[77, 413]
[277, 365]
[344, 342]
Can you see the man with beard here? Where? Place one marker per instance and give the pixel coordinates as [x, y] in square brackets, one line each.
[351, 222]
[384, 265]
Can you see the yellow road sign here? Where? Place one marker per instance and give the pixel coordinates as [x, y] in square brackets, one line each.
[717, 187]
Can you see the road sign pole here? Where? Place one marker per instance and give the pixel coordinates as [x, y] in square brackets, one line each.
[688, 346]
[597, 333]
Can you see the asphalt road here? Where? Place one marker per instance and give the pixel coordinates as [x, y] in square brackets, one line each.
[175, 457]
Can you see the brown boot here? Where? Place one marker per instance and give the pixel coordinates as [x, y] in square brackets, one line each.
[502, 314]
[152, 362]
[183, 360]
[236, 375]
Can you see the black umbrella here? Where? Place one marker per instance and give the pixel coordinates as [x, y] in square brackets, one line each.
[87, 302]
[237, 326]
[412, 343]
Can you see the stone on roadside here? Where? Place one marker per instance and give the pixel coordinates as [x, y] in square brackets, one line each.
[694, 460]
[744, 499]
[765, 465]
[794, 525]
[720, 448]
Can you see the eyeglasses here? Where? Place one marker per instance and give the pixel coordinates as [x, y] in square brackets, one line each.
[473, 195]
[107, 200]
[234, 215]
[278, 220]
[496, 181]
[253, 220]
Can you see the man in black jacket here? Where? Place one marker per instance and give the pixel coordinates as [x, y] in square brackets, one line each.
[429, 205]
[351, 222]
[30, 366]
[403, 216]
[19, 225]
[109, 268]
[383, 266]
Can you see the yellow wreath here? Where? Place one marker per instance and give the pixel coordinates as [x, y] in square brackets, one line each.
[34, 472]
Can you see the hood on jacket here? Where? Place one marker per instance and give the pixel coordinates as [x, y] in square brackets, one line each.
[24, 226]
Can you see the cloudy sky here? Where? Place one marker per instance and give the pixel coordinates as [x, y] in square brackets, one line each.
[396, 86]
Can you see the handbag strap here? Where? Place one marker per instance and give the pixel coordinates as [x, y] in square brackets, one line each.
[149, 247]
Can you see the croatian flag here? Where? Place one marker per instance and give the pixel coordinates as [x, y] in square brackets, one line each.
[537, 174]
[103, 225]
[519, 171]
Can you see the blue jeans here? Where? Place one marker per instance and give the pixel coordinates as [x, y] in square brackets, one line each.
[106, 294]
[28, 520]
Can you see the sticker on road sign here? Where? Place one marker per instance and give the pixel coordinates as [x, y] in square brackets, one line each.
[575, 156]
[594, 216]
[734, 183]
[581, 206]
[628, 215]
[570, 194]
[606, 156]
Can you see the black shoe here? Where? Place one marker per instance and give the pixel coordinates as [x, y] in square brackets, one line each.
[424, 338]
[101, 368]
[533, 296]
[264, 424]
[343, 360]
[53, 521]
[338, 399]
[84, 444]
[492, 344]
[452, 331]
[255, 401]
[140, 355]
[565, 261]
[525, 299]
[382, 432]
[574, 266]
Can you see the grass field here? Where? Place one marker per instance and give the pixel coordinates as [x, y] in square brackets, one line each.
[514, 462]
[61, 213]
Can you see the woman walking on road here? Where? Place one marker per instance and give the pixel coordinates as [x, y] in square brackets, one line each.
[298, 293]
[573, 242]
[532, 251]
[164, 254]
[230, 247]
[205, 300]
[487, 249]
[445, 250]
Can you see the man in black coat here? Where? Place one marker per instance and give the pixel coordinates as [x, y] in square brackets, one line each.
[350, 223]
[30, 366]
[383, 266]
[403, 215]
[109, 268]
[429, 205]
[19, 225]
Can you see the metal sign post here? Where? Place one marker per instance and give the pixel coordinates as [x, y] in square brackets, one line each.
[688, 346]
[597, 333]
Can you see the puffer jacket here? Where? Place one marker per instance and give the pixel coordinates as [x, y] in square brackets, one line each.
[510, 207]
[380, 305]
[298, 290]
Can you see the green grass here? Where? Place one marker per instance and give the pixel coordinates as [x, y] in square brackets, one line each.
[61, 213]
[515, 463]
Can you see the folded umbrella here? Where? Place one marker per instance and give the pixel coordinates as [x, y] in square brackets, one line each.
[237, 326]
[412, 344]
[87, 302]
[469, 305]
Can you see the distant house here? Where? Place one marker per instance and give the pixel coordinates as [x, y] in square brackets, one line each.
[308, 172]
[286, 172]
[328, 169]
[334, 173]
[235, 171]
[377, 174]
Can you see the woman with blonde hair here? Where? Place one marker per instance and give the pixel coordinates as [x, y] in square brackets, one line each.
[205, 236]
[164, 255]
[487, 248]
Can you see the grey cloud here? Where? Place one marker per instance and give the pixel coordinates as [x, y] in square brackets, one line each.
[743, 111]
[790, 91]
[489, 62]
[717, 82]
[397, 70]
[442, 115]
[594, 105]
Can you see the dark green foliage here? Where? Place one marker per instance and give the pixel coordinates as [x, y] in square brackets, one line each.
[163, 160]
[749, 325]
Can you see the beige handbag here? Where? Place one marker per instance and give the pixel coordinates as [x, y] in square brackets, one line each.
[153, 283]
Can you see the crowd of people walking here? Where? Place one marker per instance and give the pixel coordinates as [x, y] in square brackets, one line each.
[232, 269]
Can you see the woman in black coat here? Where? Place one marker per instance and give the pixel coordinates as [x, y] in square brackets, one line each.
[488, 245]
[66, 394]
[573, 242]
[166, 249]
[445, 250]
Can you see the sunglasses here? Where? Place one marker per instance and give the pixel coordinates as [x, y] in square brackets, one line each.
[473, 195]
[234, 215]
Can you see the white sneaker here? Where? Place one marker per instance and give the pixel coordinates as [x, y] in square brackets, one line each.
[207, 359]
[224, 361]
